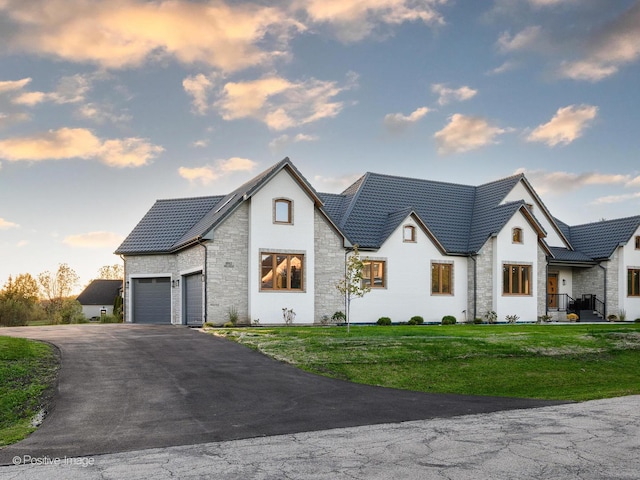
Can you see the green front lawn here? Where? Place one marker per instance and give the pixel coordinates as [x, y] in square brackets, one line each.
[573, 362]
[28, 372]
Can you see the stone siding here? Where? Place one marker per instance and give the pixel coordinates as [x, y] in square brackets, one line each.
[542, 282]
[228, 268]
[484, 276]
[329, 269]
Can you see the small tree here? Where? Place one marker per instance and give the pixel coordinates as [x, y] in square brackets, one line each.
[352, 285]
[57, 286]
[111, 272]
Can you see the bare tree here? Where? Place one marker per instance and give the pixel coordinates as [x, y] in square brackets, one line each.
[352, 285]
[56, 286]
[111, 272]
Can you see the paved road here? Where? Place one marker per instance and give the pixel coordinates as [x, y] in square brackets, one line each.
[129, 387]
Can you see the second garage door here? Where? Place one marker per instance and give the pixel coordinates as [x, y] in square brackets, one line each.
[152, 300]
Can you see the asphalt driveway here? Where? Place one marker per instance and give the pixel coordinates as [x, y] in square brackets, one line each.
[131, 387]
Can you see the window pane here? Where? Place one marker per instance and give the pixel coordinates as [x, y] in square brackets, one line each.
[505, 280]
[366, 274]
[281, 271]
[409, 234]
[525, 280]
[515, 281]
[267, 271]
[446, 278]
[283, 211]
[378, 274]
[633, 283]
[435, 278]
[296, 271]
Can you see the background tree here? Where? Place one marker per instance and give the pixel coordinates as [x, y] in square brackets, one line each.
[111, 272]
[57, 287]
[19, 301]
[351, 285]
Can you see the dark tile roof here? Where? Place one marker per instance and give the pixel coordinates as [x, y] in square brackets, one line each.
[571, 256]
[461, 217]
[173, 224]
[165, 224]
[598, 240]
[100, 292]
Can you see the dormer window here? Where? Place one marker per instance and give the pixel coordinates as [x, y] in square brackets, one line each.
[408, 233]
[516, 235]
[282, 211]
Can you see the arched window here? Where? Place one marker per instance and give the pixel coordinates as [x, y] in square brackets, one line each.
[282, 211]
[517, 235]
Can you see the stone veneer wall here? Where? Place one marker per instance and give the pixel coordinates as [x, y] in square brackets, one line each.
[591, 280]
[542, 282]
[329, 268]
[228, 268]
[613, 283]
[484, 275]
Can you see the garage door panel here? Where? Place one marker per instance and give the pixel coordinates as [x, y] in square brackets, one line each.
[193, 299]
[152, 300]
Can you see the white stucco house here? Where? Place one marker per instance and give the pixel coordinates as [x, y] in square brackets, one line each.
[431, 248]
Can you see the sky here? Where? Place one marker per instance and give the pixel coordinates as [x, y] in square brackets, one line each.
[107, 106]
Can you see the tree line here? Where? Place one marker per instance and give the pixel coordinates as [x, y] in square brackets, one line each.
[46, 298]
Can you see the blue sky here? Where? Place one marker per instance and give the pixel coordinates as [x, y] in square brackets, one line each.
[107, 106]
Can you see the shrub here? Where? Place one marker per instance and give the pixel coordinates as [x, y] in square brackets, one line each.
[208, 325]
[232, 315]
[544, 318]
[228, 325]
[108, 319]
[339, 317]
[622, 315]
[491, 316]
[511, 318]
[573, 317]
[384, 321]
[448, 320]
[637, 320]
[612, 317]
[416, 320]
[288, 315]
[477, 320]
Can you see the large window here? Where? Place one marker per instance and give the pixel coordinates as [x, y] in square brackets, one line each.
[516, 279]
[281, 271]
[373, 274]
[441, 278]
[282, 211]
[633, 282]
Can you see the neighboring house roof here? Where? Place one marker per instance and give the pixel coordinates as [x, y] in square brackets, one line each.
[599, 240]
[100, 292]
[171, 225]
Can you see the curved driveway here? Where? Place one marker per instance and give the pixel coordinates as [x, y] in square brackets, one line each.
[131, 387]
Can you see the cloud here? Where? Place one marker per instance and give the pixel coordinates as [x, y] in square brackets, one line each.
[566, 125]
[617, 44]
[67, 143]
[549, 3]
[70, 89]
[200, 143]
[447, 95]
[6, 224]
[464, 133]
[505, 67]
[334, 184]
[397, 122]
[94, 240]
[284, 140]
[209, 173]
[280, 103]
[560, 181]
[527, 39]
[102, 113]
[353, 20]
[198, 87]
[615, 198]
[7, 119]
[226, 35]
[13, 85]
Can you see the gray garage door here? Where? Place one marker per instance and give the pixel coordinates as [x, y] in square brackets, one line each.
[152, 300]
[193, 299]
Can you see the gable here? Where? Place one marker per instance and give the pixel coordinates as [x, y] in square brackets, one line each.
[599, 240]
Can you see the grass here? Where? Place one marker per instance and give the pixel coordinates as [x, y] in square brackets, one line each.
[28, 372]
[573, 362]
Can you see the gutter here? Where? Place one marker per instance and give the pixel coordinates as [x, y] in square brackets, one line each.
[204, 276]
[605, 289]
[475, 286]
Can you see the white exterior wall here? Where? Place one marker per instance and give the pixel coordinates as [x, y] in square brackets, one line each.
[629, 258]
[520, 192]
[266, 236]
[525, 253]
[91, 311]
[408, 282]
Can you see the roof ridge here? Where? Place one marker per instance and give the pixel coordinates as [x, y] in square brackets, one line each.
[600, 222]
[190, 198]
[426, 180]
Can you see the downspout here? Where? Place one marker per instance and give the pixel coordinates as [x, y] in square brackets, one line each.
[125, 295]
[204, 279]
[605, 290]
